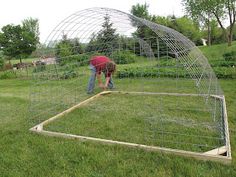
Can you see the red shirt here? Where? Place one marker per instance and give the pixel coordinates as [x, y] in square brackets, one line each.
[99, 62]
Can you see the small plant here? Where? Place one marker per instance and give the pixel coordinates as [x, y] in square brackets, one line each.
[68, 74]
[151, 71]
[1, 63]
[40, 66]
[123, 57]
[7, 66]
[230, 56]
[225, 72]
[222, 63]
[82, 59]
[8, 75]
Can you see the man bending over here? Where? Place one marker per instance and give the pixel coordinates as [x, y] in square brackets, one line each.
[98, 65]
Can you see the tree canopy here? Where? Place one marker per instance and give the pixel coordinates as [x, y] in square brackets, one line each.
[141, 10]
[220, 10]
[66, 48]
[19, 41]
[106, 40]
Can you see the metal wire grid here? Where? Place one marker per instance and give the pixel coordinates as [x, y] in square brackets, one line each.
[51, 94]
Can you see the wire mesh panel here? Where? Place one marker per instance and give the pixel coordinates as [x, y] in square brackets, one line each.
[164, 94]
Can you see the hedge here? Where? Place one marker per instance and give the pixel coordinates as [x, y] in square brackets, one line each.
[130, 72]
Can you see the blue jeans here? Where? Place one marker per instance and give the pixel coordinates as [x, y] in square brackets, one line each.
[91, 83]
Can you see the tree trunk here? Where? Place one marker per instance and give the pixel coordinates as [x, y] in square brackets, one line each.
[208, 33]
[225, 33]
[20, 61]
[224, 30]
[230, 34]
[230, 6]
[232, 15]
[230, 38]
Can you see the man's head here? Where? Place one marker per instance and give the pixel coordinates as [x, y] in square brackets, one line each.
[110, 67]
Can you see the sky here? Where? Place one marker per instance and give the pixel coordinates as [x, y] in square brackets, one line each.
[52, 12]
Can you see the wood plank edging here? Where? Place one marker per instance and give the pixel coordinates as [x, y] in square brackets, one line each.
[209, 155]
[196, 155]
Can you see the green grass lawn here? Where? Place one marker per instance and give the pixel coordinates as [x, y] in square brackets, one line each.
[27, 154]
[26, 60]
[215, 52]
[167, 121]
[23, 153]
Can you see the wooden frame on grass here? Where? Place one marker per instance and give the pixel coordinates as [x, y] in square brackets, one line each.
[220, 154]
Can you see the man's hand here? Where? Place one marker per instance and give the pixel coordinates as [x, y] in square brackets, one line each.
[100, 85]
[107, 81]
[103, 87]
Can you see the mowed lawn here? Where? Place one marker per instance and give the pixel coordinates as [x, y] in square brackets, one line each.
[159, 120]
[23, 153]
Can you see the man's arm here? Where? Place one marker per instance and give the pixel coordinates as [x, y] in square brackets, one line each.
[107, 81]
[99, 77]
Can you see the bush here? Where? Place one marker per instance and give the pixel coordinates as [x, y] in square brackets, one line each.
[1, 63]
[8, 75]
[222, 63]
[123, 57]
[8, 66]
[151, 72]
[131, 72]
[40, 66]
[230, 56]
[166, 62]
[82, 59]
[225, 72]
[79, 60]
[68, 74]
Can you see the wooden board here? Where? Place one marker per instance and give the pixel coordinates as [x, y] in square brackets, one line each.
[213, 155]
[217, 151]
[200, 156]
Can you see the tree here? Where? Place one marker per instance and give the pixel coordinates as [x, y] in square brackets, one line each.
[32, 27]
[106, 40]
[143, 32]
[64, 49]
[92, 45]
[184, 25]
[141, 11]
[77, 46]
[234, 34]
[18, 41]
[67, 48]
[199, 10]
[11, 41]
[187, 27]
[230, 9]
[216, 34]
[107, 37]
[220, 9]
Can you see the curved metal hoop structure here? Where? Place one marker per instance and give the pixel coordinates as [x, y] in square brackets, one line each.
[162, 71]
